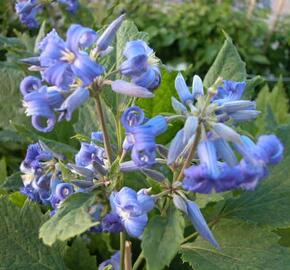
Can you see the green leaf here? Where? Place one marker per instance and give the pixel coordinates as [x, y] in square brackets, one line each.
[274, 107]
[3, 170]
[161, 103]
[10, 96]
[269, 203]
[77, 257]
[228, 65]
[203, 199]
[17, 198]
[162, 238]
[20, 247]
[243, 247]
[12, 183]
[70, 220]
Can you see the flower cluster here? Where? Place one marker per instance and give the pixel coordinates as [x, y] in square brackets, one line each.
[206, 155]
[71, 69]
[41, 182]
[210, 115]
[27, 10]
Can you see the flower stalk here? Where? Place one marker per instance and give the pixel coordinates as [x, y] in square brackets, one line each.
[101, 116]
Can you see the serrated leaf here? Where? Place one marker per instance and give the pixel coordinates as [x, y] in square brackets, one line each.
[19, 242]
[77, 257]
[203, 199]
[243, 247]
[268, 204]
[70, 220]
[12, 183]
[228, 65]
[162, 238]
[274, 107]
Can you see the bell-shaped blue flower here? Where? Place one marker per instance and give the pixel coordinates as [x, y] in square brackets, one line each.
[88, 153]
[270, 148]
[27, 11]
[132, 208]
[141, 65]
[132, 117]
[64, 62]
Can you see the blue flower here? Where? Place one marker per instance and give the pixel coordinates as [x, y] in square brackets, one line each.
[88, 153]
[132, 208]
[109, 34]
[271, 149]
[112, 223]
[64, 62]
[141, 65]
[229, 92]
[140, 136]
[59, 191]
[29, 84]
[34, 156]
[27, 11]
[72, 102]
[72, 5]
[114, 262]
[40, 104]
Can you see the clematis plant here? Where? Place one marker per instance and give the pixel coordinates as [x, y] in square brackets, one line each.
[207, 155]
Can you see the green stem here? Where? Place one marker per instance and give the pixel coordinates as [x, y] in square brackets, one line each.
[138, 261]
[191, 152]
[101, 116]
[122, 250]
[186, 239]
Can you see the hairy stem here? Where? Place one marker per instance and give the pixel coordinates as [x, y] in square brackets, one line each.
[191, 152]
[138, 261]
[122, 250]
[101, 116]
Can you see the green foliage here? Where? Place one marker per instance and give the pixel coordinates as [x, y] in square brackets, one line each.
[70, 220]
[227, 65]
[162, 238]
[10, 95]
[274, 107]
[20, 246]
[244, 246]
[12, 183]
[3, 170]
[78, 256]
